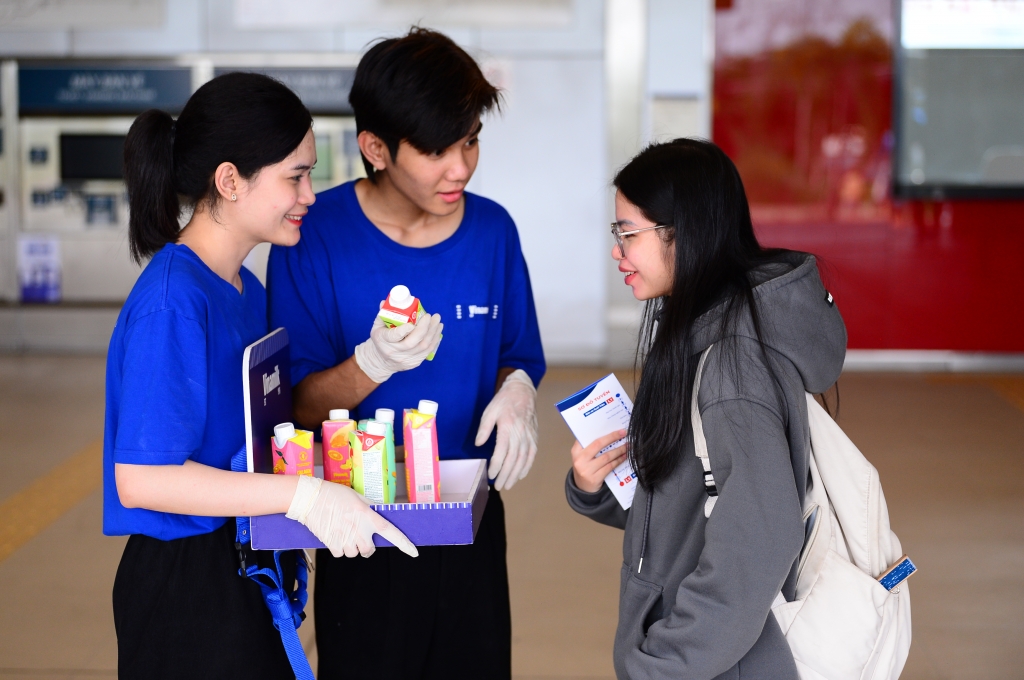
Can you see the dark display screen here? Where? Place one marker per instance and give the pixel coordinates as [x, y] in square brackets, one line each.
[959, 111]
[84, 157]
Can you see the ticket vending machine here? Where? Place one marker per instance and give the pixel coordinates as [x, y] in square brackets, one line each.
[73, 119]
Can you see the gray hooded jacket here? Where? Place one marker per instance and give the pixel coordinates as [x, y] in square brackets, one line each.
[699, 606]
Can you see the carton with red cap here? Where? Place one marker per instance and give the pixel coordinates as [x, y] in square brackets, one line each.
[401, 307]
[370, 462]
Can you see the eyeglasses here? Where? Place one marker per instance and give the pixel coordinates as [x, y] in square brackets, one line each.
[618, 234]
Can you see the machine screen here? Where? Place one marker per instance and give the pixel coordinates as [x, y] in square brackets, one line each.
[960, 128]
[90, 157]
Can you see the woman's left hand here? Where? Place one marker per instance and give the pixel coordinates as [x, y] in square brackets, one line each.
[590, 466]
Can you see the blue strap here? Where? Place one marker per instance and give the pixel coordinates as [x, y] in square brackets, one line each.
[285, 609]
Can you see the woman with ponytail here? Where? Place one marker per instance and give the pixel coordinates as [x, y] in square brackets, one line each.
[236, 163]
[702, 571]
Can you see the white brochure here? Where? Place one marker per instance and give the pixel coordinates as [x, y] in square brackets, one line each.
[595, 411]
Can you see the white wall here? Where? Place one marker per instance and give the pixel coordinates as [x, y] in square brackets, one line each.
[587, 82]
[544, 159]
[659, 55]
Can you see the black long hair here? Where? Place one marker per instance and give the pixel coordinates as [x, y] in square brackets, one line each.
[247, 119]
[692, 186]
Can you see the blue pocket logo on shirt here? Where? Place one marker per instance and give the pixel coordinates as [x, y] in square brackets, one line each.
[476, 311]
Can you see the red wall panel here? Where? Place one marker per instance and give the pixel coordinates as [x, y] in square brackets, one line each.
[807, 121]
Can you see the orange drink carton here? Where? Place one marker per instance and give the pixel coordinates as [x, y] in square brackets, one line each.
[337, 452]
[292, 450]
[370, 462]
[402, 308]
[422, 468]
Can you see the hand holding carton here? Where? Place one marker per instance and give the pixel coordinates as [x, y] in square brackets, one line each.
[395, 345]
[401, 308]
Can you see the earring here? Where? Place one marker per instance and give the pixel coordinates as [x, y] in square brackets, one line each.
[233, 197]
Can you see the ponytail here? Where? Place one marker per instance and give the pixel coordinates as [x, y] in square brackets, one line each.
[153, 207]
[247, 119]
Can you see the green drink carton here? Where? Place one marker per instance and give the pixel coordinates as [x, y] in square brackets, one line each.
[370, 462]
[387, 416]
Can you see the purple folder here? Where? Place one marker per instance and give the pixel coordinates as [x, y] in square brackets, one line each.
[266, 371]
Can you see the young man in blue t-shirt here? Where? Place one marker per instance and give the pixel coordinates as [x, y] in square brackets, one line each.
[418, 102]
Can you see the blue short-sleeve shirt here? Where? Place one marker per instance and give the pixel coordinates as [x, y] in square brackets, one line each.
[174, 381]
[327, 290]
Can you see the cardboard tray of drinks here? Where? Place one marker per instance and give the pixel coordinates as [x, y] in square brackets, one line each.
[453, 521]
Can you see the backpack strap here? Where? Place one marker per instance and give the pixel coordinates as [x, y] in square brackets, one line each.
[285, 608]
[700, 444]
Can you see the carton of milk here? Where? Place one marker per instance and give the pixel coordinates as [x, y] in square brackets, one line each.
[595, 411]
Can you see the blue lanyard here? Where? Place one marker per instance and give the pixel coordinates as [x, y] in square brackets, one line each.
[285, 608]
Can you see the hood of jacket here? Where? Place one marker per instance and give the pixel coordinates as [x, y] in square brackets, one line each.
[798, 320]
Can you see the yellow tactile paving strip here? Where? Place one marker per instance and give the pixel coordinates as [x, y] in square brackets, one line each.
[42, 502]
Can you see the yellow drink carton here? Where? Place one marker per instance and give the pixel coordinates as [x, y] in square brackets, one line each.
[292, 450]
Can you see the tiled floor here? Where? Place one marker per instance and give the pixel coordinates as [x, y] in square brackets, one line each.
[950, 450]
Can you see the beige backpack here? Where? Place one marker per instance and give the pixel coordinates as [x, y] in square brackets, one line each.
[844, 623]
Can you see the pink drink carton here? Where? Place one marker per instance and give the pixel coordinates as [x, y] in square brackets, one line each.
[370, 462]
[422, 469]
[337, 451]
[292, 450]
[402, 308]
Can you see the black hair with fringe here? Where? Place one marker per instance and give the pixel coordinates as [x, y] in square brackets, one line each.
[421, 88]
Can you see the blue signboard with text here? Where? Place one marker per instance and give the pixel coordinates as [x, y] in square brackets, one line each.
[47, 90]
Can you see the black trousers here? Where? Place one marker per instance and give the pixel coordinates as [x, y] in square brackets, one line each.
[182, 611]
[444, 614]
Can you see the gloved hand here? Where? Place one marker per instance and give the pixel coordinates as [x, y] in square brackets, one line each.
[513, 410]
[390, 350]
[342, 519]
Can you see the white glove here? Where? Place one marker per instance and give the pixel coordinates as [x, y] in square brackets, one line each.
[514, 411]
[390, 350]
[342, 519]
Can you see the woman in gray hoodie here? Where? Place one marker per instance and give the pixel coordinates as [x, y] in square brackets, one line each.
[696, 592]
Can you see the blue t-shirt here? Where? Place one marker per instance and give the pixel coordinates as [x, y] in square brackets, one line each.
[327, 290]
[174, 381]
